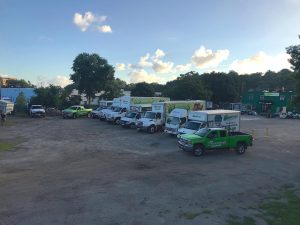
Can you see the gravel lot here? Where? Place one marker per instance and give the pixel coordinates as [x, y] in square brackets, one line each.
[85, 171]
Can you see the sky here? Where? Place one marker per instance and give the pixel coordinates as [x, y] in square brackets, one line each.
[152, 41]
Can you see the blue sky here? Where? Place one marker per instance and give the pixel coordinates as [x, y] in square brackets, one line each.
[145, 40]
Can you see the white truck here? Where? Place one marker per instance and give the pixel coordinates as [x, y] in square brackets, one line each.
[37, 111]
[229, 119]
[102, 105]
[6, 107]
[179, 115]
[135, 113]
[128, 101]
[155, 119]
[116, 103]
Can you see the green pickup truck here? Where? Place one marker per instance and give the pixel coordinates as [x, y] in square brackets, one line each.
[76, 111]
[214, 138]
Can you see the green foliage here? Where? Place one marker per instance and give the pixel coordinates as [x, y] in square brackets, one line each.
[114, 89]
[14, 83]
[91, 74]
[50, 96]
[143, 89]
[187, 86]
[20, 103]
[294, 52]
[283, 209]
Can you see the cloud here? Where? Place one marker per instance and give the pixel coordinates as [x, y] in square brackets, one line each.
[62, 81]
[183, 68]
[159, 53]
[120, 66]
[206, 58]
[104, 29]
[162, 67]
[142, 75]
[88, 19]
[84, 21]
[143, 63]
[261, 62]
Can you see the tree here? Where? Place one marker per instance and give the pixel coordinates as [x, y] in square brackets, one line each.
[113, 89]
[91, 74]
[50, 96]
[14, 83]
[187, 86]
[294, 52]
[20, 102]
[143, 89]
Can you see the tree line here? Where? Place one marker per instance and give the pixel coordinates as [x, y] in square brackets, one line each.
[93, 74]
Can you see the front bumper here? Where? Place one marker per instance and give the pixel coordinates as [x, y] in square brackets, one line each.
[38, 114]
[185, 146]
[170, 130]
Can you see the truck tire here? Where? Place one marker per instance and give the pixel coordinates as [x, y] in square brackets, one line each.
[152, 129]
[117, 121]
[240, 148]
[74, 116]
[199, 150]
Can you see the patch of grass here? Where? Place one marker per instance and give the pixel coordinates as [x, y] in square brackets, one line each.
[190, 215]
[207, 211]
[7, 145]
[234, 220]
[283, 209]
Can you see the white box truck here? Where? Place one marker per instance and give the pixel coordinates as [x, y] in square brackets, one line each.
[6, 107]
[135, 113]
[229, 119]
[155, 119]
[128, 101]
[178, 116]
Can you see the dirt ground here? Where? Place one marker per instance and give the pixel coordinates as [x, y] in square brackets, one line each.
[85, 171]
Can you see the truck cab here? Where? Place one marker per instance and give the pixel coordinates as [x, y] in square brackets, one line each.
[116, 115]
[175, 119]
[150, 122]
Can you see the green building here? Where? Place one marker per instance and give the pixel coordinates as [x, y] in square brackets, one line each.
[266, 103]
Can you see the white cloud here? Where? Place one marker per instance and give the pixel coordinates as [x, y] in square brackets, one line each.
[104, 29]
[120, 66]
[159, 53]
[142, 75]
[206, 58]
[261, 62]
[183, 68]
[88, 19]
[162, 67]
[143, 62]
[84, 21]
[62, 81]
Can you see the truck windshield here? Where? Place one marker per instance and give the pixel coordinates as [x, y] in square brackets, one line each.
[36, 107]
[192, 125]
[74, 107]
[173, 120]
[202, 132]
[116, 109]
[130, 115]
[150, 115]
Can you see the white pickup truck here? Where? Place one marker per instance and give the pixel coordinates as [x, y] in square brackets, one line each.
[37, 111]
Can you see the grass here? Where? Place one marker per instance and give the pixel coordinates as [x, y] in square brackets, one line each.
[7, 145]
[234, 220]
[283, 209]
[190, 215]
[207, 211]
[280, 209]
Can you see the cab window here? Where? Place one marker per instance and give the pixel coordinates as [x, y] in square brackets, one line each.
[222, 133]
[213, 134]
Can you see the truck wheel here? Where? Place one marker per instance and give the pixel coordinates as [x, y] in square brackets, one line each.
[199, 150]
[152, 129]
[241, 148]
[74, 116]
[118, 121]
